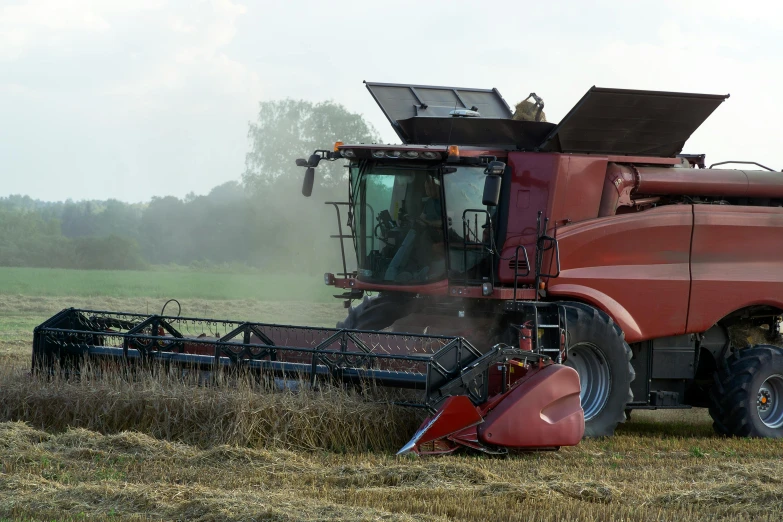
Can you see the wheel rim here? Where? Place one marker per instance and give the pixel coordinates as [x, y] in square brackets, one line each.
[595, 379]
[768, 401]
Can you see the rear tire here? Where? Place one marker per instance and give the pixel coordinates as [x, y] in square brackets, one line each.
[598, 352]
[747, 395]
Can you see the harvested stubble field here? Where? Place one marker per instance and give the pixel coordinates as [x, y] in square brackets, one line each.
[162, 450]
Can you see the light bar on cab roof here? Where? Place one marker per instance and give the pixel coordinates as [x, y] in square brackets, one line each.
[424, 153]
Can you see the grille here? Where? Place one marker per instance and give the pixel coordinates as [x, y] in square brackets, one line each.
[518, 266]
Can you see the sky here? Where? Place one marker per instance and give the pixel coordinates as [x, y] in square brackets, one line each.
[127, 100]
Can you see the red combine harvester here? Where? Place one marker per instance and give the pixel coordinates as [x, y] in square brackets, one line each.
[571, 272]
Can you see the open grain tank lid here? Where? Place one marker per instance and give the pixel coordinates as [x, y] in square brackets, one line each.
[630, 122]
[433, 115]
[605, 121]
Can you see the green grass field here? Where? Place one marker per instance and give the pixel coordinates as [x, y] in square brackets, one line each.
[28, 296]
[180, 284]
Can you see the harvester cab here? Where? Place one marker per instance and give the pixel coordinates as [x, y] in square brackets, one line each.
[423, 212]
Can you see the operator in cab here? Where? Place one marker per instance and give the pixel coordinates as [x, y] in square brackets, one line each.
[422, 253]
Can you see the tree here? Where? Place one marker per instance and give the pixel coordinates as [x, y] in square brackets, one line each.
[78, 219]
[292, 231]
[262, 222]
[162, 237]
[228, 192]
[289, 129]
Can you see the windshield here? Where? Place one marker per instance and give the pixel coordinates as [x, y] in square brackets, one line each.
[398, 223]
[399, 218]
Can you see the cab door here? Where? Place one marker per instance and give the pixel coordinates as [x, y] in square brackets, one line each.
[468, 224]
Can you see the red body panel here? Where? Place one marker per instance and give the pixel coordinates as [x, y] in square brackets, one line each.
[540, 410]
[532, 186]
[544, 411]
[566, 188]
[633, 266]
[737, 261]
[637, 266]
[436, 288]
[456, 414]
[580, 198]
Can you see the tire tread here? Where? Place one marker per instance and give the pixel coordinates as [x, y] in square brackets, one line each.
[731, 404]
[603, 320]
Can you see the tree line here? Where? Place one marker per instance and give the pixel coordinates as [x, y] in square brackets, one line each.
[260, 221]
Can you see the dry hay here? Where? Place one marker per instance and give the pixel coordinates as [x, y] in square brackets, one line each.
[158, 448]
[526, 111]
[80, 474]
[744, 334]
[240, 413]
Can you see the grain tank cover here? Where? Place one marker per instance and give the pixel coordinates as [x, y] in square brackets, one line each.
[402, 102]
[623, 121]
[478, 132]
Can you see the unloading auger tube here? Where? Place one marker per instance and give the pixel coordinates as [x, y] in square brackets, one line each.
[507, 397]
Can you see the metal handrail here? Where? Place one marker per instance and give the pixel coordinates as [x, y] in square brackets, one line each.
[465, 242]
[744, 163]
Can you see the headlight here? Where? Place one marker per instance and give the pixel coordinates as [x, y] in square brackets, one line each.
[412, 154]
[393, 154]
[430, 155]
[348, 153]
[378, 153]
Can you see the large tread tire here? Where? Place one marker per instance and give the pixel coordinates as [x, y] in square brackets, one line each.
[593, 331]
[735, 391]
[376, 313]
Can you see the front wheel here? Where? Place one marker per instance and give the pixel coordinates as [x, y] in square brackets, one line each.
[747, 396]
[598, 352]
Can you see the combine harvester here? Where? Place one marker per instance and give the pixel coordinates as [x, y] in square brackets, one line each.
[555, 263]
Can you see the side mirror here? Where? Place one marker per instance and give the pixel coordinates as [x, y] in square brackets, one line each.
[301, 162]
[313, 161]
[307, 184]
[492, 190]
[495, 168]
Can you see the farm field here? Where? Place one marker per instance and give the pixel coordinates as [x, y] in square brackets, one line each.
[162, 284]
[158, 450]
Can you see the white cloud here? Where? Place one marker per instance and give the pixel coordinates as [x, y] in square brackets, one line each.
[45, 23]
[178, 25]
[194, 54]
[700, 13]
